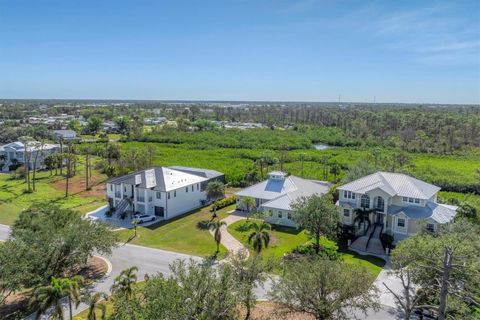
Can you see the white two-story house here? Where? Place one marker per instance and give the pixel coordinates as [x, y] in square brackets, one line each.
[397, 203]
[276, 195]
[165, 192]
[13, 154]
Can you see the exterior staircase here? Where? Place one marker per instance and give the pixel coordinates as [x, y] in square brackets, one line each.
[122, 206]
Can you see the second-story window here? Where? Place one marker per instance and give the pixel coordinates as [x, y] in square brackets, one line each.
[186, 189]
[348, 194]
[175, 193]
[168, 195]
[159, 195]
[365, 201]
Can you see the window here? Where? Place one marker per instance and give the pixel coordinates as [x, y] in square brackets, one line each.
[348, 194]
[430, 227]
[175, 193]
[380, 204]
[410, 200]
[198, 186]
[168, 195]
[111, 187]
[186, 189]
[417, 200]
[289, 216]
[346, 212]
[401, 223]
[192, 188]
[124, 189]
[159, 195]
[405, 199]
[365, 201]
[280, 214]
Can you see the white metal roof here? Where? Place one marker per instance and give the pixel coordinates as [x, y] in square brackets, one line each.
[441, 213]
[395, 184]
[281, 193]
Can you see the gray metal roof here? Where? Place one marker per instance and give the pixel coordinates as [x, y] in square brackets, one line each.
[206, 173]
[440, 213]
[281, 193]
[167, 178]
[395, 184]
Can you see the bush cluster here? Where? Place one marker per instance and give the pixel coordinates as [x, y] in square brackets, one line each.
[223, 203]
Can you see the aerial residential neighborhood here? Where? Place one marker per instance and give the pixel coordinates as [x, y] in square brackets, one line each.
[240, 160]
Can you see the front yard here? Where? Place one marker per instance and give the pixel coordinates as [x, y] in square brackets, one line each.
[185, 234]
[284, 240]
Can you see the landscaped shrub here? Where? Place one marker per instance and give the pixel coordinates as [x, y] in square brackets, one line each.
[387, 240]
[329, 249]
[223, 203]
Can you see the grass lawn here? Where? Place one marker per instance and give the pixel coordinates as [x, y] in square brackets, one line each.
[83, 315]
[284, 240]
[13, 198]
[183, 234]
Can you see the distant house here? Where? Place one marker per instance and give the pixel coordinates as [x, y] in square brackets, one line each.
[165, 192]
[277, 194]
[396, 203]
[13, 154]
[66, 135]
[109, 127]
[154, 121]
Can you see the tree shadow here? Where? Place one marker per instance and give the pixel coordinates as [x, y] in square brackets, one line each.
[203, 225]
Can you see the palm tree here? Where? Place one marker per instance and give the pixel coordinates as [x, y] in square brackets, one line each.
[362, 216]
[72, 289]
[50, 296]
[135, 224]
[92, 300]
[215, 190]
[124, 282]
[216, 226]
[250, 203]
[260, 237]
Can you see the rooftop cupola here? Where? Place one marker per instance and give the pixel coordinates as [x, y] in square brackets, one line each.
[277, 175]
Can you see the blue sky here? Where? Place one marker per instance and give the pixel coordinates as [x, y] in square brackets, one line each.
[305, 50]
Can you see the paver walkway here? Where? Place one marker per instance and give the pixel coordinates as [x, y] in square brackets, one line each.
[228, 241]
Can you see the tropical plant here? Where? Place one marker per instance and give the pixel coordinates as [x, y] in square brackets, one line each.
[92, 300]
[72, 289]
[50, 296]
[249, 203]
[125, 282]
[260, 237]
[362, 217]
[215, 190]
[216, 227]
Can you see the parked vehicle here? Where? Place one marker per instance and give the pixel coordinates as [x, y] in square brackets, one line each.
[142, 218]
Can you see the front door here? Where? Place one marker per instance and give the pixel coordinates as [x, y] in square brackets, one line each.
[380, 218]
[159, 212]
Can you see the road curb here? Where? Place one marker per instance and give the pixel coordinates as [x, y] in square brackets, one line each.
[109, 265]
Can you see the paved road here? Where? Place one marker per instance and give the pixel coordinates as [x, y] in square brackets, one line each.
[151, 261]
[4, 232]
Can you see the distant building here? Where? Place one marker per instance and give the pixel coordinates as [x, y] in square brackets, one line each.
[277, 194]
[165, 192]
[154, 121]
[13, 154]
[66, 135]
